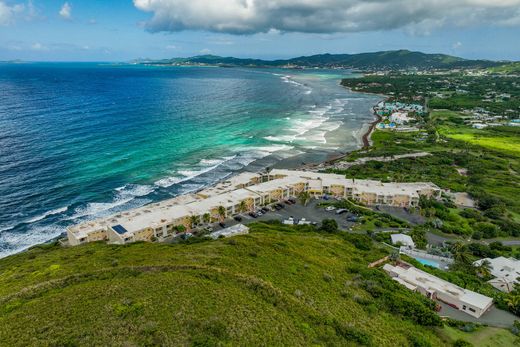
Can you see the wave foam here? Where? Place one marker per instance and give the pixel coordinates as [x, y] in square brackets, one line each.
[46, 214]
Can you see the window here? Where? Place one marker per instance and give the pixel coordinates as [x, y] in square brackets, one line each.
[472, 310]
[463, 307]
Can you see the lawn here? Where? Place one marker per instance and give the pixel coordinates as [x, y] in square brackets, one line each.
[278, 285]
[482, 337]
[485, 138]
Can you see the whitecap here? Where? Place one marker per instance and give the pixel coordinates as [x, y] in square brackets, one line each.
[46, 214]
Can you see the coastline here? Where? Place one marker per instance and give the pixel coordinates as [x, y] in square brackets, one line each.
[313, 159]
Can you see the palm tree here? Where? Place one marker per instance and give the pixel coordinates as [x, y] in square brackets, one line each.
[304, 198]
[484, 268]
[268, 171]
[242, 207]
[194, 220]
[206, 217]
[221, 210]
[513, 301]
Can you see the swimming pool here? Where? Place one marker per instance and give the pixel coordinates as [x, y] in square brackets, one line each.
[428, 262]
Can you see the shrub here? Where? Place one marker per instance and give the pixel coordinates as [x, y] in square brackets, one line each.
[329, 226]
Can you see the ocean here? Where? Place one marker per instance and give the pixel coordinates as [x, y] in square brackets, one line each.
[84, 140]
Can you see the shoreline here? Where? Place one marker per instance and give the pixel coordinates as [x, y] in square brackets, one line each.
[363, 141]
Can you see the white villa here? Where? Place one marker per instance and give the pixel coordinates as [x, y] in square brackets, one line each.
[402, 239]
[434, 288]
[242, 193]
[505, 270]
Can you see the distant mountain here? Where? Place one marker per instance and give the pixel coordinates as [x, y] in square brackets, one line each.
[401, 59]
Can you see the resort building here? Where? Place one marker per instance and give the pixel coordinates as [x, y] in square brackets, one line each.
[505, 270]
[239, 194]
[434, 288]
[399, 118]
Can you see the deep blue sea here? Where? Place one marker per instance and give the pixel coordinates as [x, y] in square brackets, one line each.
[80, 141]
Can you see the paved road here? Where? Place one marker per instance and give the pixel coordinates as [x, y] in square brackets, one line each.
[435, 239]
[494, 317]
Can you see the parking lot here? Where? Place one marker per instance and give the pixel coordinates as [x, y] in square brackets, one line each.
[311, 213]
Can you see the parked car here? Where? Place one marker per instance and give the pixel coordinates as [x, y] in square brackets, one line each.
[252, 214]
[222, 224]
[287, 202]
[237, 218]
[352, 218]
[341, 211]
[186, 236]
[264, 210]
[293, 200]
[289, 221]
[277, 208]
[330, 208]
[259, 213]
[280, 205]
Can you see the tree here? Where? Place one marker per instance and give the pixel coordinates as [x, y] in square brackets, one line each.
[484, 268]
[206, 218]
[304, 198]
[221, 210]
[194, 220]
[329, 226]
[242, 207]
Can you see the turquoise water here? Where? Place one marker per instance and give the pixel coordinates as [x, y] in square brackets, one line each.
[81, 141]
[429, 262]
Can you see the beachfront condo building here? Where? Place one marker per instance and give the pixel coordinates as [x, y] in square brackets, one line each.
[240, 194]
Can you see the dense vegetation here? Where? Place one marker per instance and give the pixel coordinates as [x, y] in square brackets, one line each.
[497, 94]
[401, 59]
[485, 163]
[278, 285]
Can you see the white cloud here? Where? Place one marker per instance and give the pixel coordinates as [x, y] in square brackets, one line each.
[456, 45]
[66, 11]
[324, 16]
[171, 47]
[205, 51]
[8, 12]
[39, 47]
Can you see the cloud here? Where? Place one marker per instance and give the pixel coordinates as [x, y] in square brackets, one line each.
[9, 12]
[39, 47]
[205, 51]
[324, 16]
[456, 45]
[66, 11]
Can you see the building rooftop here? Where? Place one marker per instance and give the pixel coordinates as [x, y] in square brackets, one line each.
[427, 281]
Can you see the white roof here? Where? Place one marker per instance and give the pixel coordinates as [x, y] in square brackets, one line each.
[238, 229]
[429, 282]
[228, 193]
[502, 267]
[402, 238]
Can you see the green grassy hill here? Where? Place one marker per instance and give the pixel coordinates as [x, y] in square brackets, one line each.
[510, 68]
[275, 286]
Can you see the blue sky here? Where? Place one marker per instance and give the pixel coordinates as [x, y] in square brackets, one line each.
[120, 30]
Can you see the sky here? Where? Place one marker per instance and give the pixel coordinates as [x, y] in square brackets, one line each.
[122, 30]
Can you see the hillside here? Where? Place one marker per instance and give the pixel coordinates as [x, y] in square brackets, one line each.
[275, 286]
[511, 68]
[401, 59]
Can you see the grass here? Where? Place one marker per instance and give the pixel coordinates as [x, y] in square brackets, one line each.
[276, 286]
[485, 138]
[483, 336]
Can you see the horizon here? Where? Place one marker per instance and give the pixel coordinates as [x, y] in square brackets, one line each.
[118, 31]
[243, 57]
